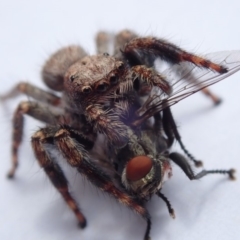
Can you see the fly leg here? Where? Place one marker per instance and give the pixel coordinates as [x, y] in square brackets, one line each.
[182, 162]
[172, 133]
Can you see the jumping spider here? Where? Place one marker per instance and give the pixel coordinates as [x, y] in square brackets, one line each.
[126, 101]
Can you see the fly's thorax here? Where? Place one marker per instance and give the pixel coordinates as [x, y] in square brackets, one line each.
[144, 175]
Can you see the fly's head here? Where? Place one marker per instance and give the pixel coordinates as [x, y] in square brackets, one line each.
[93, 78]
[144, 175]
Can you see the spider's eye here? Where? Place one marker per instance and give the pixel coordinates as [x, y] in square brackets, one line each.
[113, 80]
[121, 67]
[72, 77]
[138, 167]
[102, 87]
[86, 89]
[106, 54]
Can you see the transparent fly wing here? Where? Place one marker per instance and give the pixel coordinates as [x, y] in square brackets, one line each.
[187, 79]
[197, 78]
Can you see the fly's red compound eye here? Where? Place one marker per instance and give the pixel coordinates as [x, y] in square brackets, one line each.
[138, 167]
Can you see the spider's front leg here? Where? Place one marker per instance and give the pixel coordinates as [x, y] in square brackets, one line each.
[137, 48]
[73, 146]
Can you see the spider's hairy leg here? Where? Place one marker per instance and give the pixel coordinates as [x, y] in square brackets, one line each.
[216, 100]
[172, 133]
[35, 110]
[102, 42]
[136, 50]
[109, 124]
[53, 170]
[182, 162]
[70, 145]
[56, 66]
[34, 92]
[193, 80]
[121, 39]
[149, 76]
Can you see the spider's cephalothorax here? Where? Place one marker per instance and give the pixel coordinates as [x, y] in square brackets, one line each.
[112, 121]
[105, 90]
